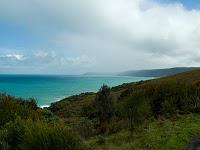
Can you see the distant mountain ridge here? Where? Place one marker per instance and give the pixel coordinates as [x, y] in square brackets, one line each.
[146, 73]
[157, 72]
[99, 73]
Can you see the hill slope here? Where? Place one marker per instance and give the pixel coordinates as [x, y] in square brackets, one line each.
[25, 126]
[150, 112]
[161, 113]
[157, 72]
[85, 99]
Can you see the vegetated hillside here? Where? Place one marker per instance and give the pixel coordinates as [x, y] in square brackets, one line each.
[150, 114]
[25, 126]
[156, 114]
[157, 72]
[68, 106]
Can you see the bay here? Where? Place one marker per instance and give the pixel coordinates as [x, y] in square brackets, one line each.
[50, 88]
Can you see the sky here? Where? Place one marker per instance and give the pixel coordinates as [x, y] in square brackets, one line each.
[78, 36]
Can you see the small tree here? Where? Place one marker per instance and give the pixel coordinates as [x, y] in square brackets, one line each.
[137, 109]
[104, 105]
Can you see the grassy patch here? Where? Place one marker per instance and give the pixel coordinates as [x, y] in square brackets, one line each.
[163, 134]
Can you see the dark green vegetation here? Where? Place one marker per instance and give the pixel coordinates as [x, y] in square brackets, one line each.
[155, 114]
[157, 72]
[24, 126]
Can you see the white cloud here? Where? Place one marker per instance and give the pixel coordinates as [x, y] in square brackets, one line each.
[80, 60]
[117, 34]
[18, 57]
[43, 61]
[41, 54]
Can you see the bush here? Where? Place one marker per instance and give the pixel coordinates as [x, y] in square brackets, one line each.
[26, 134]
[3, 143]
[169, 107]
[137, 109]
[104, 107]
[85, 128]
[11, 107]
[100, 140]
[170, 97]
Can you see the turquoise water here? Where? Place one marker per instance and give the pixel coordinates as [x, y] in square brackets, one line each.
[50, 88]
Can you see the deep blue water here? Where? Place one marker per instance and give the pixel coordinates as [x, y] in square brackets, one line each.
[50, 88]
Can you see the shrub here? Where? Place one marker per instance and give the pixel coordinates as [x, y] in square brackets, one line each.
[125, 93]
[170, 97]
[137, 109]
[11, 107]
[104, 107]
[116, 125]
[26, 134]
[3, 143]
[100, 140]
[85, 128]
[169, 107]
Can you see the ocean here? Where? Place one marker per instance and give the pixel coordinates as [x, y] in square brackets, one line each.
[50, 88]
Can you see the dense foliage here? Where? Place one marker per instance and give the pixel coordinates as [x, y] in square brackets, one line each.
[104, 107]
[132, 106]
[167, 98]
[24, 126]
[26, 134]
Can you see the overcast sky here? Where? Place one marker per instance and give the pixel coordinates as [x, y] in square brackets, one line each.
[77, 36]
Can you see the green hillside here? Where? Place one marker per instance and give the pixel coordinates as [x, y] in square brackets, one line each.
[24, 126]
[161, 113]
[142, 110]
[184, 81]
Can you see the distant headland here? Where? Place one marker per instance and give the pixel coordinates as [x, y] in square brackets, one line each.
[147, 72]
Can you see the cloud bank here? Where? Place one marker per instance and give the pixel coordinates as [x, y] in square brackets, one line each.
[106, 35]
